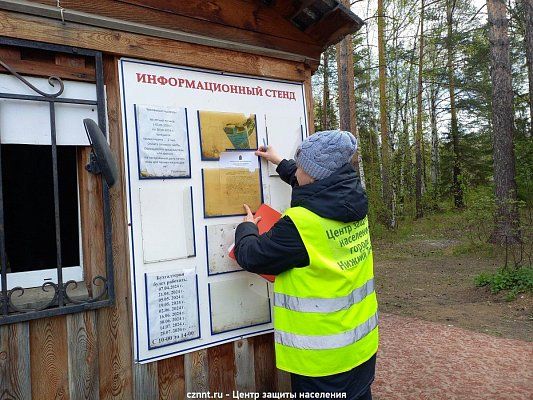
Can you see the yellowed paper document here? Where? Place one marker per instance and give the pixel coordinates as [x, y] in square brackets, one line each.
[220, 131]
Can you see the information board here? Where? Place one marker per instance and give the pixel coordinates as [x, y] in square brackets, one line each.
[189, 138]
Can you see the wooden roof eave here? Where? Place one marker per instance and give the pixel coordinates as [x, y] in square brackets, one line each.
[69, 15]
[329, 29]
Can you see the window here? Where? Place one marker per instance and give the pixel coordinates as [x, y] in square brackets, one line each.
[48, 230]
[29, 218]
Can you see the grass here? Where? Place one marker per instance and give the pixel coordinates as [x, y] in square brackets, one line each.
[454, 233]
[510, 281]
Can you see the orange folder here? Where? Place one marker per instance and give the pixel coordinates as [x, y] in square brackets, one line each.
[269, 217]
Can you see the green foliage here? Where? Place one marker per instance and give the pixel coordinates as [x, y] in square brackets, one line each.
[318, 83]
[473, 95]
[513, 281]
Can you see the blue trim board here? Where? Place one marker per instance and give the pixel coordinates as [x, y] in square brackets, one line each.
[261, 180]
[193, 225]
[146, 304]
[188, 141]
[198, 308]
[206, 250]
[139, 155]
[239, 328]
[305, 111]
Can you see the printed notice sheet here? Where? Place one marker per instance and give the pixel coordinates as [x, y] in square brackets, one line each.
[237, 181]
[162, 142]
[172, 306]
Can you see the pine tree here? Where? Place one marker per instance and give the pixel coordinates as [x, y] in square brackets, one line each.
[506, 217]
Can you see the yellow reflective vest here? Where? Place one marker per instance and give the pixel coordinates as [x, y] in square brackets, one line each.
[326, 314]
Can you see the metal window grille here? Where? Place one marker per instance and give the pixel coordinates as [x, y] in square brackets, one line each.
[61, 302]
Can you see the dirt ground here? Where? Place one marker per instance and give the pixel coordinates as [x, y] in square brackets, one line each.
[428, 274]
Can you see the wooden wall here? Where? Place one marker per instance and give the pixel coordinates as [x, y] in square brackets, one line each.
[89, 355]
[247, 22]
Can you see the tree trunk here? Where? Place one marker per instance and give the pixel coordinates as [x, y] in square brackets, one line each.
[506, 228]
[385, 147]
[418, 137]
[434, 143]
[456, 189]
[528, 39]
[346, 91]
[325, 100]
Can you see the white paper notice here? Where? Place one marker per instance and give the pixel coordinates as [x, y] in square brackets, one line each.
[162, 142]
[239, 159]
[172, 301]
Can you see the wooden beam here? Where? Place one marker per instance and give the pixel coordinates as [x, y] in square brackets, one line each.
[303, 4]
[150, 48]
[15, 382]
[333, 27]
[244, 365]
[82, 356]
[248, 16]
[41, 68]
[49, 362]
[115, 358]
[196, 375]
[283, 381]
[125, 11]
[171, 376]
[146, 384]
[264, 363]
[221, 367]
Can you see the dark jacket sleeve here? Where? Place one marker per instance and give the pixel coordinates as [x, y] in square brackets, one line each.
[287, 170]
[276, 251]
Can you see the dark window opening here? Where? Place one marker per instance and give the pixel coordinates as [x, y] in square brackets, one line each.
[29, 218]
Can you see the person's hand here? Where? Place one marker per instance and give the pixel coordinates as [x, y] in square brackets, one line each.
[269, 154]
[249, 216]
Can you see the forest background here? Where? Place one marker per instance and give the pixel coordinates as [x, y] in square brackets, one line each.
[443, 93]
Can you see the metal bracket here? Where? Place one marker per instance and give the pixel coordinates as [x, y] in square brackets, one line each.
[93, 166]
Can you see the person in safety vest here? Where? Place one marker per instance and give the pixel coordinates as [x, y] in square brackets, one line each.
[325, 307]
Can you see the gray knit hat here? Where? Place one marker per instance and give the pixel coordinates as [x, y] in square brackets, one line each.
[324, 152]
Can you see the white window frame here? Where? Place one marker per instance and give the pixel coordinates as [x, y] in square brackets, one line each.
[72, 136]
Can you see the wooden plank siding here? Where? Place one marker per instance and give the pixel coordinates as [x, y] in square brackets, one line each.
[196, 372]
[246, 15]
[146, 383]
[171, 378]
[15, 377]
[115, 323]
[257, 26]
[221, 368]
[82, 356]
[90, 355]
[49, 358]
[244, 365]
[148, 48]
[264, 365]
